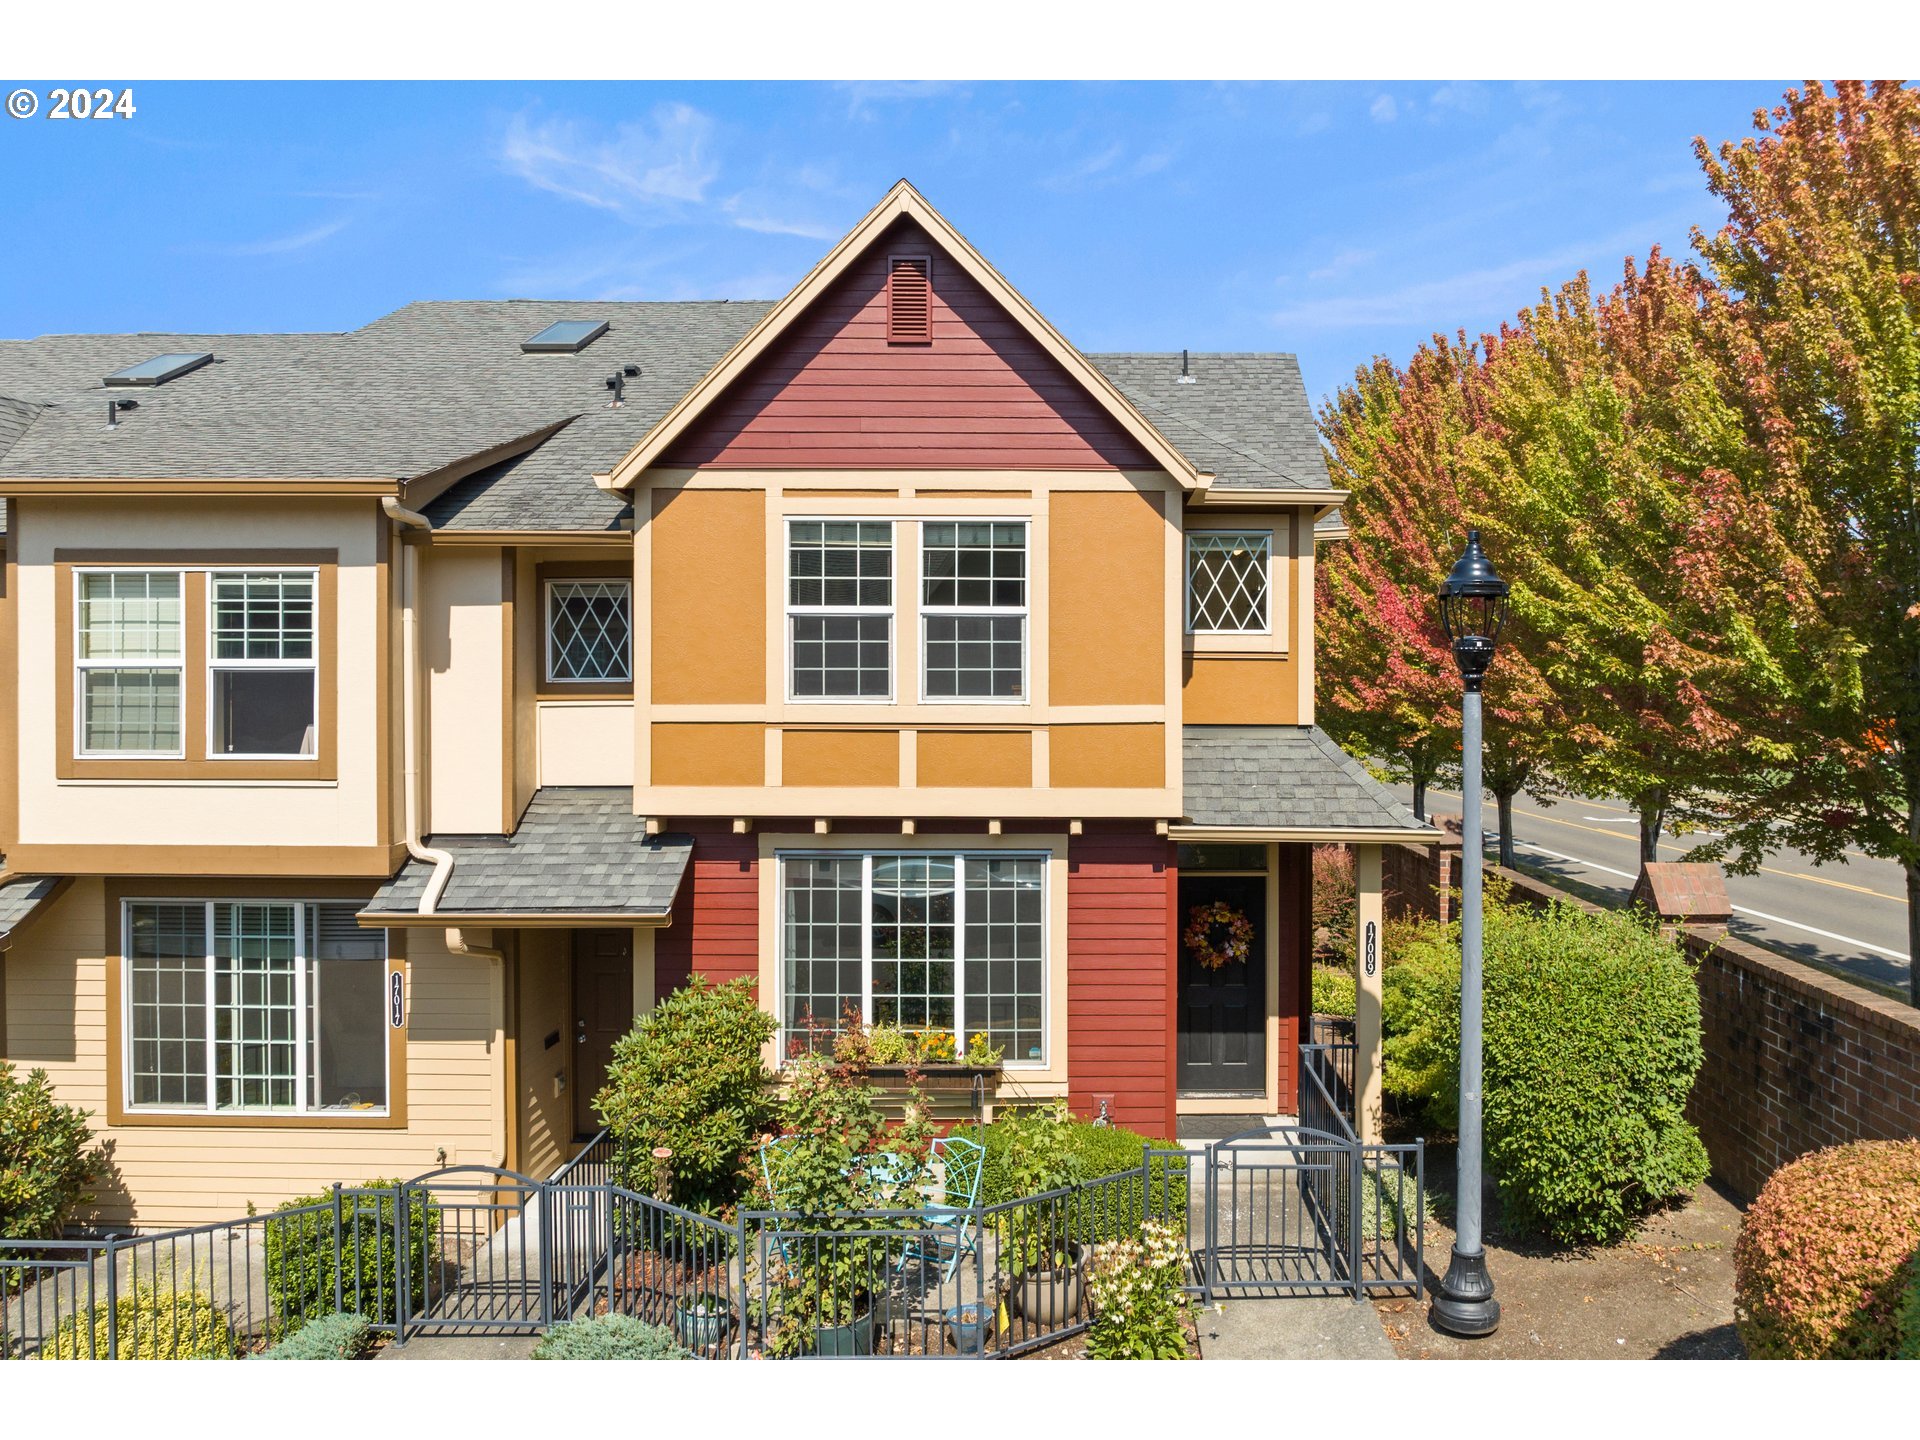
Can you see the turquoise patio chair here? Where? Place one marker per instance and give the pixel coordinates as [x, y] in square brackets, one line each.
[953, 1232]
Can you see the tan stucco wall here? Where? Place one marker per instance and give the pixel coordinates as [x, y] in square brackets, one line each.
[709, 754]
[707, 552]
[170, 1175]
[974, 757]
[463, 648]
[1108, 563]
[841, 757]
[1241, 690]
[585, 742]
[343, 812]
[1105, 756]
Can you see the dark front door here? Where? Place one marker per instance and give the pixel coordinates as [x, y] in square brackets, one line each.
[602, 1013]
[1223, 1013]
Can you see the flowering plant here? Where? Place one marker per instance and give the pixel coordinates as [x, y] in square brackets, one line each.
[1218, 935]
[1137, 1301]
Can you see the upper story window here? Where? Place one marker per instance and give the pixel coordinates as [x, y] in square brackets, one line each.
[840, 609]
[131, 659]
[254, 1006]
[974, 609]
[263, 663]
[589, 631]
[1229, 591]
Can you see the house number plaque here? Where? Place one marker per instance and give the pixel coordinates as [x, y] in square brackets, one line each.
[397, 1000]
[1372, 947]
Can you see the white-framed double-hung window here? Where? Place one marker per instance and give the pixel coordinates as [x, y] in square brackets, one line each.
[236, 1006]
[973, 610]
[130, 656]
[924, 941]
[263, 675]
[840, 610]
[1229, 582]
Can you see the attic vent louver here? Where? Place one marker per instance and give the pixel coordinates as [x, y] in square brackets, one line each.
[564, 337]
[159, 370]
[909, 300]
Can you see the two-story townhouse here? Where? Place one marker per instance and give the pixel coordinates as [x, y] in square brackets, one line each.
[398, 713]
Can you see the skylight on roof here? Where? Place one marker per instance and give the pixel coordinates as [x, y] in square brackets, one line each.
[565, 337]
[159, 370]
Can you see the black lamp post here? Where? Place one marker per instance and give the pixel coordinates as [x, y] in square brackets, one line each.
[1473, 607]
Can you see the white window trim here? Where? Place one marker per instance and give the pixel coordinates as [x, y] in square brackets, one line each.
[81, 665]
[960, 961]
[547, 619]
[301, 1038]
[310, 666]
[890, 610]
[1023, 611]
[1186, 580]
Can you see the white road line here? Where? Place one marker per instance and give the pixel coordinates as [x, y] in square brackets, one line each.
[1901, 956]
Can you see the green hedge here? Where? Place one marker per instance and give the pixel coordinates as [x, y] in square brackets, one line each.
[610, 1337]
[1592, 1042]
[1333, 991]
[325, 1337]
[301, 1265]
[46, 1165]
[1078, 1151]
[150, 1324]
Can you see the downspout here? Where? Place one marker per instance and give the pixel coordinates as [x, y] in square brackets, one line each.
[412, 740]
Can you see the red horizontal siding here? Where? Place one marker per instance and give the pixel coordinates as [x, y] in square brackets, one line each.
[832, 391]
[1120, 978]
[716, 916]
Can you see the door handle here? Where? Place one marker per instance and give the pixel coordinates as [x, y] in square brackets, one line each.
[580, 1032]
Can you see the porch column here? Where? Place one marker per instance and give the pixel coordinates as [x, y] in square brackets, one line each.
[1367, 965]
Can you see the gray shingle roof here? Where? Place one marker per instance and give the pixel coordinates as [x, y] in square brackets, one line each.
[20, 898]
[1284, 777]
[578, 850]
[1244, 417]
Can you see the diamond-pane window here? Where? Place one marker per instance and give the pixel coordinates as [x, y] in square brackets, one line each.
[590, 630]
[1227, 582]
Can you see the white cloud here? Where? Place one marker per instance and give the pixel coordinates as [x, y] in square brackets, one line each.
[283, 244]
[642, 169]
[1342, 263]
[746, 215]
[1383, 109]
[1464, 97]
[864, 97]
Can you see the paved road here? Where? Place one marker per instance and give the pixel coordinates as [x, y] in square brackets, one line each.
[1852, 915]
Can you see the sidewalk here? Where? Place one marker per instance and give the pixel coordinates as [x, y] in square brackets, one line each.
[1301, 1327]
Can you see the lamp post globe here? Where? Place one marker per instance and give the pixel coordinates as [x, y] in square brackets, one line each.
[1473, 608]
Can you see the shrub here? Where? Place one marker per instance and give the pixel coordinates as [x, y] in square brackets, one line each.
[1336, 907]
[325, 1337]
[689, 1076]
[150, 1324]
[302, 1265]
[1826, 1254]
[1592, 1042]
[1333, 991]
[1041, 1148]
[610, 1337]
[45, 1163]
[1138, 1306]
[1910, 1313]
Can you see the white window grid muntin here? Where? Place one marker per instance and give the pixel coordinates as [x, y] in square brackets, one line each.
[621, 588]
[960, 860]
[310, 665]
[888, 611]
[306, 973]
[1021, 612]
[1214, 539]
[83, 663]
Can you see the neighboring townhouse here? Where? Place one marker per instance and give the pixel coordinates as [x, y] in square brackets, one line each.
[397, 713]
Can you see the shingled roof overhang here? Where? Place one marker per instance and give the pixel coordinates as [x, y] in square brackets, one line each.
[579, 856]
[1288, 783]
[23, 897]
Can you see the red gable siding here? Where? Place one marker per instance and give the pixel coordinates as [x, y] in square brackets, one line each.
[1120, 979]
[832, 392]
[716, 916]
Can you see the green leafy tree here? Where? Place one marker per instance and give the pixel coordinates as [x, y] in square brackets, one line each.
[47, 1158]
[1821, 259]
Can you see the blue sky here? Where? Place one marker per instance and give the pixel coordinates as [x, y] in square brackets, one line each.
[1338, 220]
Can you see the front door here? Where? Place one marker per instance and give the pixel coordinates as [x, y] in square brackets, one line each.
[1223, 1012]
[602, 1013]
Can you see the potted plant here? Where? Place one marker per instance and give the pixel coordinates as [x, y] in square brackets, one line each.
[703, 1320]
[969, 1326]
[1046, 1267]
[931, 1058]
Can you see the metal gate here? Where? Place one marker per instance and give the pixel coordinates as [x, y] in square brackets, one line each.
[1292, 1210]
[472, 1246]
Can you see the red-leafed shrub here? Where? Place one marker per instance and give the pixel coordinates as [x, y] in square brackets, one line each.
[1827, 1253]
[1335, 906]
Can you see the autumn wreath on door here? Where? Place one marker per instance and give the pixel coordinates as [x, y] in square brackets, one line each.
[1218, 935]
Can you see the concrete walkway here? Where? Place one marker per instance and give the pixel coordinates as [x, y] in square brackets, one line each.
[1300, 1327]
[462, 1347]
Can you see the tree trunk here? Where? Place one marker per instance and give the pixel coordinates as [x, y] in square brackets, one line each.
[1419, 797]
[1653, 813]
[1504, 800]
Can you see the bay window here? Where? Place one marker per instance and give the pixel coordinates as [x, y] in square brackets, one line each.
[923, 941]
[236, 1007]
[973, 609]
[840, 609]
